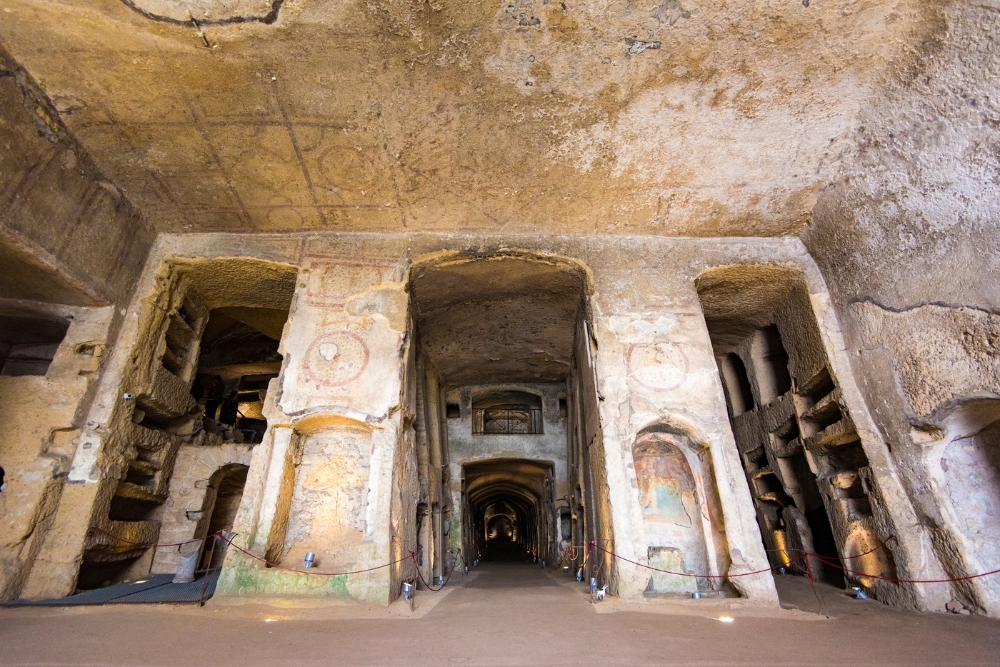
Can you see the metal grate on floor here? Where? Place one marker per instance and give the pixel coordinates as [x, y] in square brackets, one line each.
[156, 589]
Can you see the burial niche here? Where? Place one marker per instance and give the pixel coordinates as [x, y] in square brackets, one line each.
[671, 511]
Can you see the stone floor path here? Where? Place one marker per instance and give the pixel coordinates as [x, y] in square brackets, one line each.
[505, 614]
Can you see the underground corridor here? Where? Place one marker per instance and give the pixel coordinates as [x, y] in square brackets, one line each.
[509, 508]
[499, 333]
[506, 404]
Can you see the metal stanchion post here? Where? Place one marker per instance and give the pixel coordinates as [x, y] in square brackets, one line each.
[208, 569]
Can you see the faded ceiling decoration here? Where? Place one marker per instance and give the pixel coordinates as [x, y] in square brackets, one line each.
[676, 118]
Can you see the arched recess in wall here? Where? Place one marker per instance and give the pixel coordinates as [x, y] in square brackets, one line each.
[680, 508]
[324, 500]
[507, 411]
[965, 459]
[226, 484]
[506, 318]
[507, 500]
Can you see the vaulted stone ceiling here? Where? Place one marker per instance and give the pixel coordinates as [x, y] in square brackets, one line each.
[500, 320]
[682, 117]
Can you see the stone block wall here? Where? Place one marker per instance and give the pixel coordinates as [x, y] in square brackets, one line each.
[41, 420]
[189, 506]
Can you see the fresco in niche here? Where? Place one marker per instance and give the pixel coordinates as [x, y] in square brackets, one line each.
[660, 366]
[664, 479]
[671, 511]
[330, 496]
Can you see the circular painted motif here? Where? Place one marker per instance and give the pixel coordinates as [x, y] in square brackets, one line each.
[337, 358]
[345, 168]
[659, 366]
[284, 218]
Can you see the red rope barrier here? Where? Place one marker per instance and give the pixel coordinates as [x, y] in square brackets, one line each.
[446, 580]
[412, 555]
[809, 572]
[679, 574]
[431, 588]
[902, 581]
[881, 546]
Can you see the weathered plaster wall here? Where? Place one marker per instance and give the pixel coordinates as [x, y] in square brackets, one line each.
[327, 515]
[907, 240]
[67, 235]
[655, 366]
[344, 370]
[323, 479]
[406, 490]
[41, 419]
[550, 445]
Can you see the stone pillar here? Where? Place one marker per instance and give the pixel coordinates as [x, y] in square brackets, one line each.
[659, 371]
[322, 480]
[46, 530]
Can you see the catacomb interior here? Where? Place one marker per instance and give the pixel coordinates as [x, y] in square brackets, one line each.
[191, 332]
[676, 299]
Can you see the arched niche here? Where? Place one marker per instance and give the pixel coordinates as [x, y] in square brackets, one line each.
[968, 461]
[221, 504]
[328, 502]
[679, 507]
[507, 412]
[863, 553]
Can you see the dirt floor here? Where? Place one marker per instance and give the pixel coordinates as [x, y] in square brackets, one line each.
[502, 614]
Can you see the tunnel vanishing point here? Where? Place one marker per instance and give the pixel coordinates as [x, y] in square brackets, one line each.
[675, 295]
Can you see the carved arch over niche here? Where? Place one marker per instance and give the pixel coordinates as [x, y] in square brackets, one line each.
[679, 505]
[962, 457]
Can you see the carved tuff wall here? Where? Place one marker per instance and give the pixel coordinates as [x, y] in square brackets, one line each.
[339, 472]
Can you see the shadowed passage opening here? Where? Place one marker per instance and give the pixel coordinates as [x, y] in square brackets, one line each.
[505, 408]
[801, 452]
[211, 344]
[509, 505]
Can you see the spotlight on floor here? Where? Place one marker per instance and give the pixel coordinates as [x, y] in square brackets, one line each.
[726, 619]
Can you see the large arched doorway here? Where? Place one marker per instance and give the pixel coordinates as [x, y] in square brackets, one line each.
[510, 505]
[506, 412]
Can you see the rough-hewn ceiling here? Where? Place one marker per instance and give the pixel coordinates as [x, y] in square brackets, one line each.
[498, 320]
[519, 480]
[682, 117]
